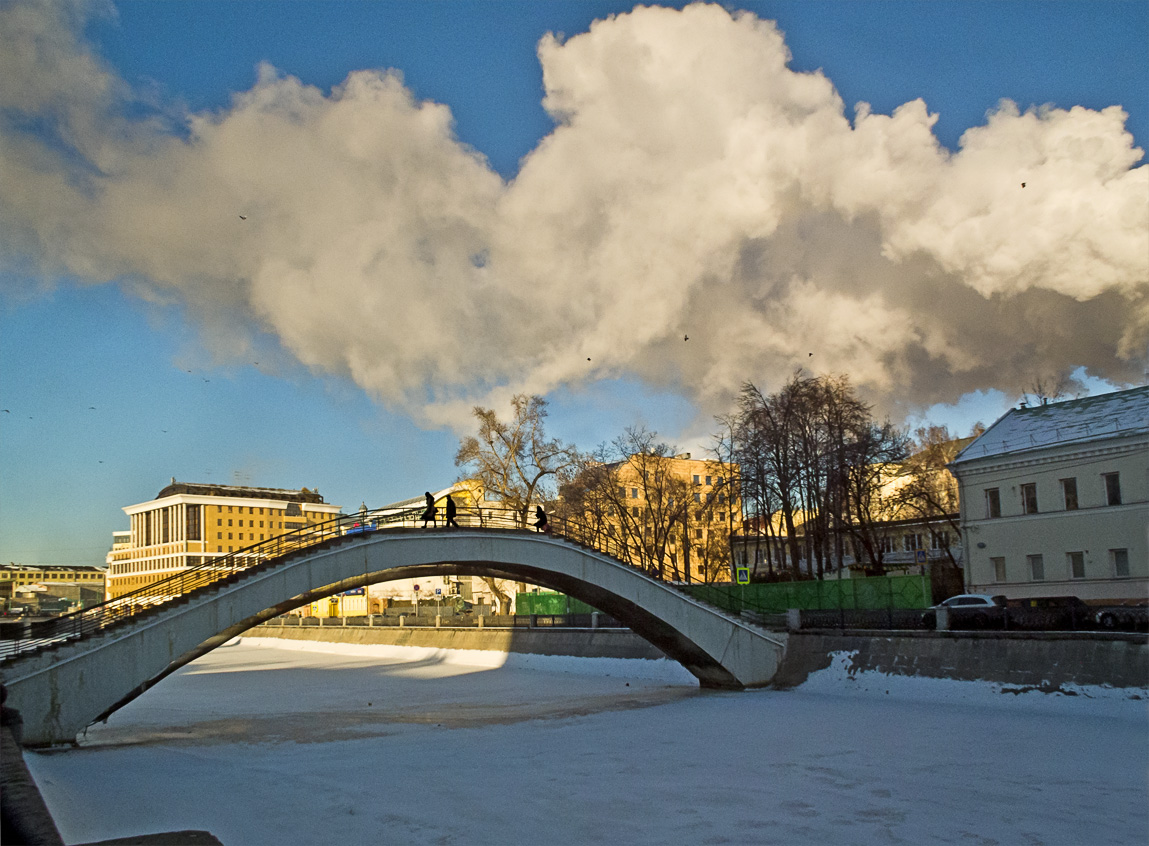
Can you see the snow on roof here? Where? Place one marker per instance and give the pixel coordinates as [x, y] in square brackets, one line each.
[1118, 414]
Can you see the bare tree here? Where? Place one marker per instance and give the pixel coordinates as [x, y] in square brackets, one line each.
[514, 459]
[1051, 387]
[626, 497]
[812, 465]
[874, 453]
[927, 490]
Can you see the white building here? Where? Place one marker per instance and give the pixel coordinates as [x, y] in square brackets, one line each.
[1055, 500]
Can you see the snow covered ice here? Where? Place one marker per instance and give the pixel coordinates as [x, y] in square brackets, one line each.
[280, 742]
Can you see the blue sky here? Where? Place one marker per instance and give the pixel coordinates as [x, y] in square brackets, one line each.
[114, 381]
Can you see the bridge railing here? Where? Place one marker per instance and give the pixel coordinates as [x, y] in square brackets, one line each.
[30, 636]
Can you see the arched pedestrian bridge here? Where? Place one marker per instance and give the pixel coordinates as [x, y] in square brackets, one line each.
[77, 669]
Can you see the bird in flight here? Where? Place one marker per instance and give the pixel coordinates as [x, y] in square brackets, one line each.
[1023, 185]
[243, 217]
[686, 337]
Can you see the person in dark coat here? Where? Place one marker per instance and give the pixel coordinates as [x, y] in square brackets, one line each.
[451, 511]
[540, 519]
[429, 512]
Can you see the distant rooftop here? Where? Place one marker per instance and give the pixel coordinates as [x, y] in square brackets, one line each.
[51, 568]
[1103, 417]
[209, 489]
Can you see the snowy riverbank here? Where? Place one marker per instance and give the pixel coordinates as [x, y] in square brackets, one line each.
[267, 742]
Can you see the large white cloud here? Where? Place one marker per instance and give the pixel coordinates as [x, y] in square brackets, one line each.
[693, 185]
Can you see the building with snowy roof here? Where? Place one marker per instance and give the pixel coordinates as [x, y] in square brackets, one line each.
[1055, 500]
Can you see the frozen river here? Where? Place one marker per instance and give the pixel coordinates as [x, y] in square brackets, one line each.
[273, 742]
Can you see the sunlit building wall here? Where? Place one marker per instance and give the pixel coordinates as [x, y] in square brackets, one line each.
[188, 524]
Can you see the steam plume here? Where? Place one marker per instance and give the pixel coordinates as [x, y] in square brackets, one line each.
[693, 184]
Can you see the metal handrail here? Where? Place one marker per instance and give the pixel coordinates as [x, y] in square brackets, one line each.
[209, 575]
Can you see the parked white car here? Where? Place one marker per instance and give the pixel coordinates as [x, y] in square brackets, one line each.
[968, 609]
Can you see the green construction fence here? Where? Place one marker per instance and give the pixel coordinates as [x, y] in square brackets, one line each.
[550, 603]
[870, 593]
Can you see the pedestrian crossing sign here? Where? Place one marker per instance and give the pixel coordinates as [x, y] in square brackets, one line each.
[742, 574]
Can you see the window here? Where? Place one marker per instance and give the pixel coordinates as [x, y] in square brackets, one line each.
[940, 540]
[708, 480]
[193, 517]
[885, 543]
[219, 535]
[1029, 498]
[1069, 488]
[698, 497]
[1112, 488]
[696, 480]
[992, 503]
[622, 493]
[1036, 567]
[912, 542]
[634, 493]
[1119, 559]
[166, 530]
[998, 569]
[1076, 562]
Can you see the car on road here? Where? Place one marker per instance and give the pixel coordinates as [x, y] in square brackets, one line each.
[1129, 618]
[968, 610]
[1051, 613]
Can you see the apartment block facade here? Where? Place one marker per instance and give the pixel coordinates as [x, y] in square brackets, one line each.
[188, 524]
[1055, 501]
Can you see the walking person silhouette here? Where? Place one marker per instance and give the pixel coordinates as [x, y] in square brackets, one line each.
[429, 511]
[451, 511]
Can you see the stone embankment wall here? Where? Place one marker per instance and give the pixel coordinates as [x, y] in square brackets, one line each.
[1043, 660]
[1040, 660]
[580, 643]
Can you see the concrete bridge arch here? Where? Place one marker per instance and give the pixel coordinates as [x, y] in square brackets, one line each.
[59, 693]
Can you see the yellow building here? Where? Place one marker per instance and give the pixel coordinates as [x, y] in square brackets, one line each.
[674, 514]
[189, 523]
[27, 584]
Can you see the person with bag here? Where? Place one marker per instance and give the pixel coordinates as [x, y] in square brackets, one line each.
[429, 511]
